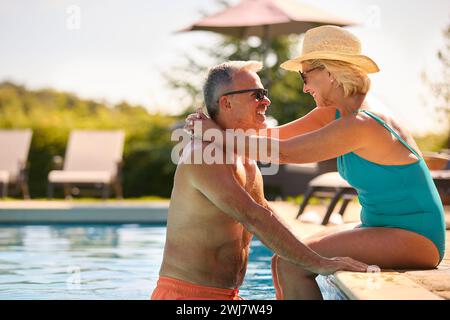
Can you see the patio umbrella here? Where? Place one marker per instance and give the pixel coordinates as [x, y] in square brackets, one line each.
[266, 19]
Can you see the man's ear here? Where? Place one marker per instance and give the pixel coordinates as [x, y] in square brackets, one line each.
[224, 102]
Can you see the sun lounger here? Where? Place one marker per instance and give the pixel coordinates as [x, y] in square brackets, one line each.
[92, 158]
[14, 149]
[329, 186]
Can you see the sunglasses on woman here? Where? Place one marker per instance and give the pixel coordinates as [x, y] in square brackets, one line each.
[303, 74]
[258, 93]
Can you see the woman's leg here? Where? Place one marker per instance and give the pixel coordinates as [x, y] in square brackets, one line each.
[331, 230]
[386, 247]
[309, 286]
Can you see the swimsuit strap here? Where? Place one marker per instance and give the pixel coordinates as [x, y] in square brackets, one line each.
[392, 131]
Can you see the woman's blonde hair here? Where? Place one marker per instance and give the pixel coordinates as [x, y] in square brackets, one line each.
[352, 78]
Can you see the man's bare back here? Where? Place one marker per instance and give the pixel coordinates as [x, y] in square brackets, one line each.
[204, 245]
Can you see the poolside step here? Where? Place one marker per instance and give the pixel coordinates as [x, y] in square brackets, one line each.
[380, 286]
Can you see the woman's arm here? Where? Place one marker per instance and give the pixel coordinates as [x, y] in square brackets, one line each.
[337, 138]
[315, 119]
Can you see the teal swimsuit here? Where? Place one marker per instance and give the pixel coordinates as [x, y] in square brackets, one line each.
[396, 196]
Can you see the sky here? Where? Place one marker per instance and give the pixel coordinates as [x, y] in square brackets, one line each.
[115, 50]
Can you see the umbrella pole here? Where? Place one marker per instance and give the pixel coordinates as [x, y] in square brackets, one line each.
[265, 45]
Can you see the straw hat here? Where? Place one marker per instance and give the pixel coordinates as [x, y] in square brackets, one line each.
[331, 43]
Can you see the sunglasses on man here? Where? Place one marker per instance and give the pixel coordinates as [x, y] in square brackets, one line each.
[258, 93]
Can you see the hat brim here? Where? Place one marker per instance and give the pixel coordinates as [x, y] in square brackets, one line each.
[364, 62]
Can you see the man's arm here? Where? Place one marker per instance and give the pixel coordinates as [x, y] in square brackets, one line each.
[217, 183]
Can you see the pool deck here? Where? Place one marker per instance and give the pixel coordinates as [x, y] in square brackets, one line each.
[389, 284]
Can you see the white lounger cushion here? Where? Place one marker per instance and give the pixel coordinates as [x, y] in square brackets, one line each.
[60, 176]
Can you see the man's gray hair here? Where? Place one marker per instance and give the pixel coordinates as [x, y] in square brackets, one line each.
[220, 79]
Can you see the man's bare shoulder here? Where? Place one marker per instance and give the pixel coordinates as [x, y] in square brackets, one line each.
[203, 157]
[205, 153]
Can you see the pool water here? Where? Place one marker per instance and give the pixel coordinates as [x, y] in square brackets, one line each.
[99, 262]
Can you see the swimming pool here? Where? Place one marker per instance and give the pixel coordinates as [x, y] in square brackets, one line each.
[115, 262]
[99, 262]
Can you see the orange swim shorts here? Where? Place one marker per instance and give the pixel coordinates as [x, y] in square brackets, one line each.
[174, 289]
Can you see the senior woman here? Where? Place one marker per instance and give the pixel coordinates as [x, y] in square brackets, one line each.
[402, 217]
